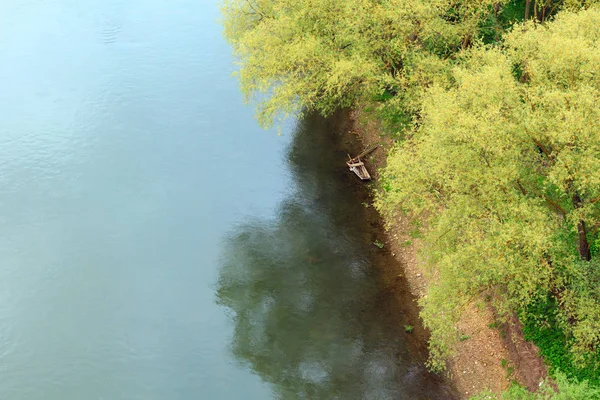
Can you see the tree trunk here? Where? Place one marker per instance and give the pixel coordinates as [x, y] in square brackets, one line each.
[584, 245]
[546, 10]
[527, 9]
[467, 41]
[497, 8]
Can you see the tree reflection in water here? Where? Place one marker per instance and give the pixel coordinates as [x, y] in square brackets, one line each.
[309, 316]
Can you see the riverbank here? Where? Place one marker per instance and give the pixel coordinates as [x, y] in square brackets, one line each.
[490, 354]
[395, 302]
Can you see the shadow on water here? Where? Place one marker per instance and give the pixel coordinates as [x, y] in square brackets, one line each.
[314, 315]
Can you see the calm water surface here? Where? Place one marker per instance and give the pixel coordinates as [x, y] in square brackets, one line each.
[140, 255]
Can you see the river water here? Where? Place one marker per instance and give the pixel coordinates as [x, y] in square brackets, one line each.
[156, 244]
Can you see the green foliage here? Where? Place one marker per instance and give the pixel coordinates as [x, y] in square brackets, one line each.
[541, 325]
[409, 328]
[498, 22]
[512, 12]
[508, 367]
[321, 55]
[506, 173]
[565, 390]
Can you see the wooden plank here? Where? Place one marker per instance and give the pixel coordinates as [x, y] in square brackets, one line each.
[358, 167]
[364, 153]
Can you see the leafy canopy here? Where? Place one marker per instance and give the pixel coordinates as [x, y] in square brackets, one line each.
[504, 167]
[321, 55]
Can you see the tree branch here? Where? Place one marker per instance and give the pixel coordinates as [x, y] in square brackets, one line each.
[554, 205]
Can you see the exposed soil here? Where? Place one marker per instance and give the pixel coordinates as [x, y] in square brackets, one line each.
[529, 367]
[488, 358]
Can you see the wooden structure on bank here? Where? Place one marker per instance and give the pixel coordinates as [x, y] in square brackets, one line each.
[357, 166]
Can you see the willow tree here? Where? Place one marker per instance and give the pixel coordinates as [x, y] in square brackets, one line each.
[504, 167]
[320, 55]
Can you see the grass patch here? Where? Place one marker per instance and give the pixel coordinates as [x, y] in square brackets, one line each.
[494, 325]
[554, 345]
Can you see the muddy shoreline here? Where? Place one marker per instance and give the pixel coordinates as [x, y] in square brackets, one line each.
[493, 355]
[395, 290]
